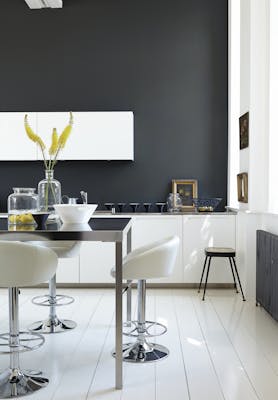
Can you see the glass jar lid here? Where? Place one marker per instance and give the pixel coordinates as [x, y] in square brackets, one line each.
[23, 190]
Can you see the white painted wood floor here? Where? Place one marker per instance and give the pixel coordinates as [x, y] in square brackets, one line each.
[219, 349]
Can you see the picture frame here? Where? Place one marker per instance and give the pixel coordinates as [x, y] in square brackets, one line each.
[188, 189]
[242, 187]
[244, 131]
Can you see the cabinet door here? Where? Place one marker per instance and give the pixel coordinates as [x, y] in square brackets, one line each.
[146, 230]
[95, 135]
[96, 261]
[15, 144]
[204, 231]
[68, 270]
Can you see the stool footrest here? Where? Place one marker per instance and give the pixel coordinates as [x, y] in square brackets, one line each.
[28, 341]
[48, 301]
[148, 329]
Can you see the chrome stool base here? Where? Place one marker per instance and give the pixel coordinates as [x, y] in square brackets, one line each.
[15, 383]
[55, 325]
[143, 352]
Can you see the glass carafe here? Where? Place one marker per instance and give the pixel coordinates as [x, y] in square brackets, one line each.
[21, 204]
[174, 202]
[49, 191]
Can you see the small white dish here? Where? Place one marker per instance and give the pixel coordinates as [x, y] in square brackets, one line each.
[75, 213]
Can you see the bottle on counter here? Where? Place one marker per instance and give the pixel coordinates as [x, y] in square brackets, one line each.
[174, 202]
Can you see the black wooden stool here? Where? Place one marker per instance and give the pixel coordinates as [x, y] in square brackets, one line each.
[220, 252]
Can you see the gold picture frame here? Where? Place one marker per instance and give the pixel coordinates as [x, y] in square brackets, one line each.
[242, 187]
[188, 189]
[244, 131]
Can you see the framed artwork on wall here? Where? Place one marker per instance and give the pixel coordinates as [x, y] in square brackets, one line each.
[242, 187]
[244, 131]
[188, 190]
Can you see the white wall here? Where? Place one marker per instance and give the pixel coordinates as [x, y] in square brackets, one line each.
[253, 97]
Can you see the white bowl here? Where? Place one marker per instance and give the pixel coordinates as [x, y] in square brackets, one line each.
[75, 213]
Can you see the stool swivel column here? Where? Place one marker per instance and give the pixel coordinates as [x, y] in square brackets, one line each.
[27, 265]
[53, 324]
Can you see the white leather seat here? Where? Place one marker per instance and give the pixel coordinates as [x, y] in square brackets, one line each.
[156, 260]
[53, 324]
[21, 265]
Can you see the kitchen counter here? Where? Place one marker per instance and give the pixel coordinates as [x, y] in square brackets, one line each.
[152, 214]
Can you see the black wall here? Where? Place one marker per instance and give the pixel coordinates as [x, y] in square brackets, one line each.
[165, 60]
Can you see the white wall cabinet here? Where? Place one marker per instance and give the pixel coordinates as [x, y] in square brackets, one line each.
[199, 232]
[95, 136]
[15, 145]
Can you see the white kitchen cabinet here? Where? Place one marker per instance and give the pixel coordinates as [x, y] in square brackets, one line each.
[148, 229]
[15, 144]
[96, 261]
[199, 232]
[95, 135]
[68, 270]
[195, 232]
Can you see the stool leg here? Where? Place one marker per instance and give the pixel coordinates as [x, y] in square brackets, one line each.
[128, 303]
[14, 328]
[233, 274]
[243, 298]
[141, 307]
[204, 267]
[52, 324]
[205, 287]
[13, 381]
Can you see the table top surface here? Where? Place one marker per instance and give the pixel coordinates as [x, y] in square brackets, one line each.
[97, 229]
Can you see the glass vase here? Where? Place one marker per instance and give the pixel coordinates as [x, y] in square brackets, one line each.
[49, 191]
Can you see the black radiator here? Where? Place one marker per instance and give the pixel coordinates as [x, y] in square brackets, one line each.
[267, 272]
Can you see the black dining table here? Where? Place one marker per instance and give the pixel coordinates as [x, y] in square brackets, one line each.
[99, 230]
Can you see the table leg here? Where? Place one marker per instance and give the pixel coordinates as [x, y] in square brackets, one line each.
[129, 289]
[119, 316]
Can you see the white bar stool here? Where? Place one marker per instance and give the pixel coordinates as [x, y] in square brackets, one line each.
[152, 261]
[21, 265]
[53, 324]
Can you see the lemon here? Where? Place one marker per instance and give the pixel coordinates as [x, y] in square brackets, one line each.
[26, 219]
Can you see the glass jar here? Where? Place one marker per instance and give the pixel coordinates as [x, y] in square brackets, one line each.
[49, 191]
[21, 204]
[174, 202]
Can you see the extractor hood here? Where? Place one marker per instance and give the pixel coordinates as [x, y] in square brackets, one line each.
[44, 3]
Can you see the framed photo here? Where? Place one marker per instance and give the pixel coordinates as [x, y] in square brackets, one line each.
[244, 131]
[187, 189]
[242, 187]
